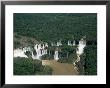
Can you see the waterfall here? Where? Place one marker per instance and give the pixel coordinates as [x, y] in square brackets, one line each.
[81, 46]
[52, 44]
[74, 43]
[59, 43]
[56, 43]
[80, 49]
[20, 53]
[37, 48]
[37, 56]
[43, 46]
[46, 44]
[43, 52]
[56, 55]
[40, 51]
[69, 43]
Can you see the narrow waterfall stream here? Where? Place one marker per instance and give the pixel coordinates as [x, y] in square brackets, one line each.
[56, 55]
[80, 50]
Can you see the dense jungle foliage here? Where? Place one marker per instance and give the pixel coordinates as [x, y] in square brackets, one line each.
[90, 66]
[52, 27]
[28, 66]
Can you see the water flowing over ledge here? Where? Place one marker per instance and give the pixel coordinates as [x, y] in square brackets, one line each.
[41, 49]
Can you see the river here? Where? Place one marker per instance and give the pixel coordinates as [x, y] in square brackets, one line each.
[60, 68]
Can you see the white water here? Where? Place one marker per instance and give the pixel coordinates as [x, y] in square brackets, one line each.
[71, 44]
[56, 43]
[20, 53]
[40, 51]
[80, 49]
[53, 44]
[56, 55]
[81, 46]
[59, 43]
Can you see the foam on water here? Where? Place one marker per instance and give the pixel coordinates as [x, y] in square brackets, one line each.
[19, 53]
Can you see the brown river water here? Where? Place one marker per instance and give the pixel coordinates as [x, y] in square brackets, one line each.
[60, 68]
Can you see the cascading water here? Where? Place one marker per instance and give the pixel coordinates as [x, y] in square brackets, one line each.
[59, 43]
[20, 53]
[56, 55]
[80, 49]
[40, 51]
[71, 44]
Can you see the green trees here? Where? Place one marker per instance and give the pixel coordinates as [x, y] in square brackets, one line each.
[23, 66]
[51, 27]
[28, 66]
[91, 60]
[67, 54]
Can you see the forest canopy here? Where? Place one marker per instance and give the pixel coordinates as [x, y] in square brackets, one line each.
[54, 26]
